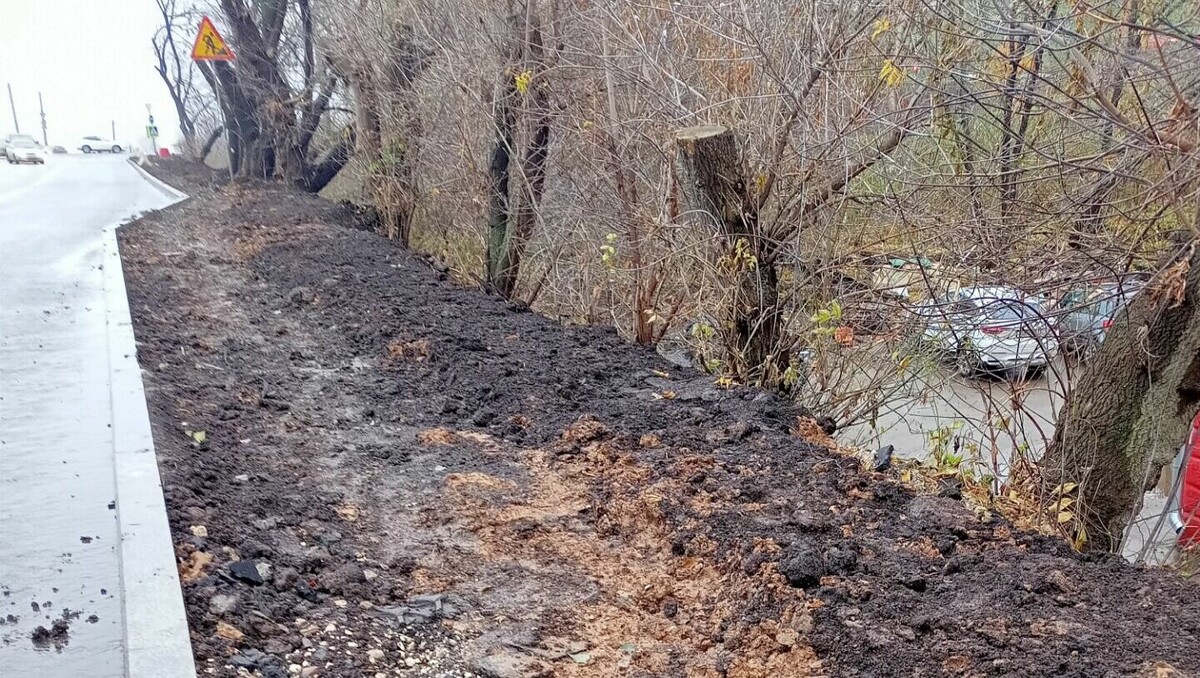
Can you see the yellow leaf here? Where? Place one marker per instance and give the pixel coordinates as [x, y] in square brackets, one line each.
[1065, 517]
[906, 476]
[1081, 538]
[1065, 488]
[1028, 63]
[891, 74]
[760, 181]
[1062, 504]
[522, 81]
[881, 27]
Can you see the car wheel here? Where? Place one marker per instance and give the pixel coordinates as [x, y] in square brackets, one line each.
[1032, 372]
[116, 149]
[85, 148]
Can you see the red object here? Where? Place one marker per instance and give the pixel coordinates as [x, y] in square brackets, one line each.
[164, 152]
[992, 330]
[1107, 323]
[1189, 490]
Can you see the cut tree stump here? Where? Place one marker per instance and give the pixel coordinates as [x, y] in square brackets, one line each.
[713, 183]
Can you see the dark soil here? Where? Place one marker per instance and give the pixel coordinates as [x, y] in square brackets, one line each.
[342, 429]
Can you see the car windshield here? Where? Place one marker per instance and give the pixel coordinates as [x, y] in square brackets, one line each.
[1105, 301]
[21, 143]
[1007, 309]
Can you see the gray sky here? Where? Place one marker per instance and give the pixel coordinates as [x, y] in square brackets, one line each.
[93, 63]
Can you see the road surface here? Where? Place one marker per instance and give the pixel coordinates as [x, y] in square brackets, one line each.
[61, 531]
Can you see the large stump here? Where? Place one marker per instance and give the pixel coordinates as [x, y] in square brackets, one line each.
[713, 182]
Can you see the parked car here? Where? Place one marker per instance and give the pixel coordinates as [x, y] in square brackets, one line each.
[20, 151]
[1183, 504]
[1087, 313]
[988, 329]
[9, 138]
[99, 145]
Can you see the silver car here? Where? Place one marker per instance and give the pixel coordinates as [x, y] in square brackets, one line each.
[988, 329]
[20, 151]
[1087, 313]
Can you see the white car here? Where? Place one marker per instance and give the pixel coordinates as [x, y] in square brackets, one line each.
[988, 329]
[9, 138]
[99, 145]
[23, 150]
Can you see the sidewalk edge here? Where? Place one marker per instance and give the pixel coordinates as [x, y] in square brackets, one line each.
[158, 644]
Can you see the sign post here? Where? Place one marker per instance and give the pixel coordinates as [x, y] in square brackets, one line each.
[152, 130]
[210, 46]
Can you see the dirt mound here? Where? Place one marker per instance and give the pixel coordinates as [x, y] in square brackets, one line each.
[427, 482]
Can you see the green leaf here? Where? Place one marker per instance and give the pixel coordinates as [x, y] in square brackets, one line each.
[581, 657]
[199, 437]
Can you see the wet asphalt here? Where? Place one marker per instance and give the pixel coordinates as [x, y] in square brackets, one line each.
[59, 537]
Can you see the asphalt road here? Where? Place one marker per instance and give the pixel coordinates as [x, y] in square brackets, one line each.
[60, 541]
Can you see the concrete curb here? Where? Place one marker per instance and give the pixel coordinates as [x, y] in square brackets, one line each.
[157, 643]
[170, 191]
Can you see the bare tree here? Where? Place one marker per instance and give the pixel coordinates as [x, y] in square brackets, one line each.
[178, 71]
[275, 95]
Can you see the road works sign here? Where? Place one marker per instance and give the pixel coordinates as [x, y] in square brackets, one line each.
[210, 46]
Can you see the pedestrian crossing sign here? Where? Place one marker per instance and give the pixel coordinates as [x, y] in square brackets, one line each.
[209, 45]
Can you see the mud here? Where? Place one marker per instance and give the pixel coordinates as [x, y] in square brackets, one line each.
[337, 419]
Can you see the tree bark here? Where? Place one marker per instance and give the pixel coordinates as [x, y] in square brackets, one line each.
[210, 142]
[1133, 405]
[533, 164]
[712, 179]
[498, 174]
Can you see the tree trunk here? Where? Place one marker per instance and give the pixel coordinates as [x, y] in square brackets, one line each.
[1133, 405]
[498, 174]
[712, 179]
[324, 170]
[211, 141]
[533, 165]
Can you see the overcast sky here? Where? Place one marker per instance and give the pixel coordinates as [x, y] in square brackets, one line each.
[93, 63]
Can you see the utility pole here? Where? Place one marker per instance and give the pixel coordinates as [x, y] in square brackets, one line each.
[114, 130]
[13, 105]
[42, 110]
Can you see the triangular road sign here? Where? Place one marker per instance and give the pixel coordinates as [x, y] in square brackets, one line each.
[210, 46]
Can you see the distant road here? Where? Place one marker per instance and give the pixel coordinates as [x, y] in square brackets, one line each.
[60, 547]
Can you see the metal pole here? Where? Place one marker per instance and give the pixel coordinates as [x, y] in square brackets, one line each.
[228, 138]
[150, 130]
[42, 110]
[114, 130]
[13, 105]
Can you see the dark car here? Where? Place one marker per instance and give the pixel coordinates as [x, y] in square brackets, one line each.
[1087, 313]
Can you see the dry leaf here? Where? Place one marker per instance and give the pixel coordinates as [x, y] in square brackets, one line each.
[348, 512]
[192, 569]
[229, 632]
[891, 74]
[436, 436]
